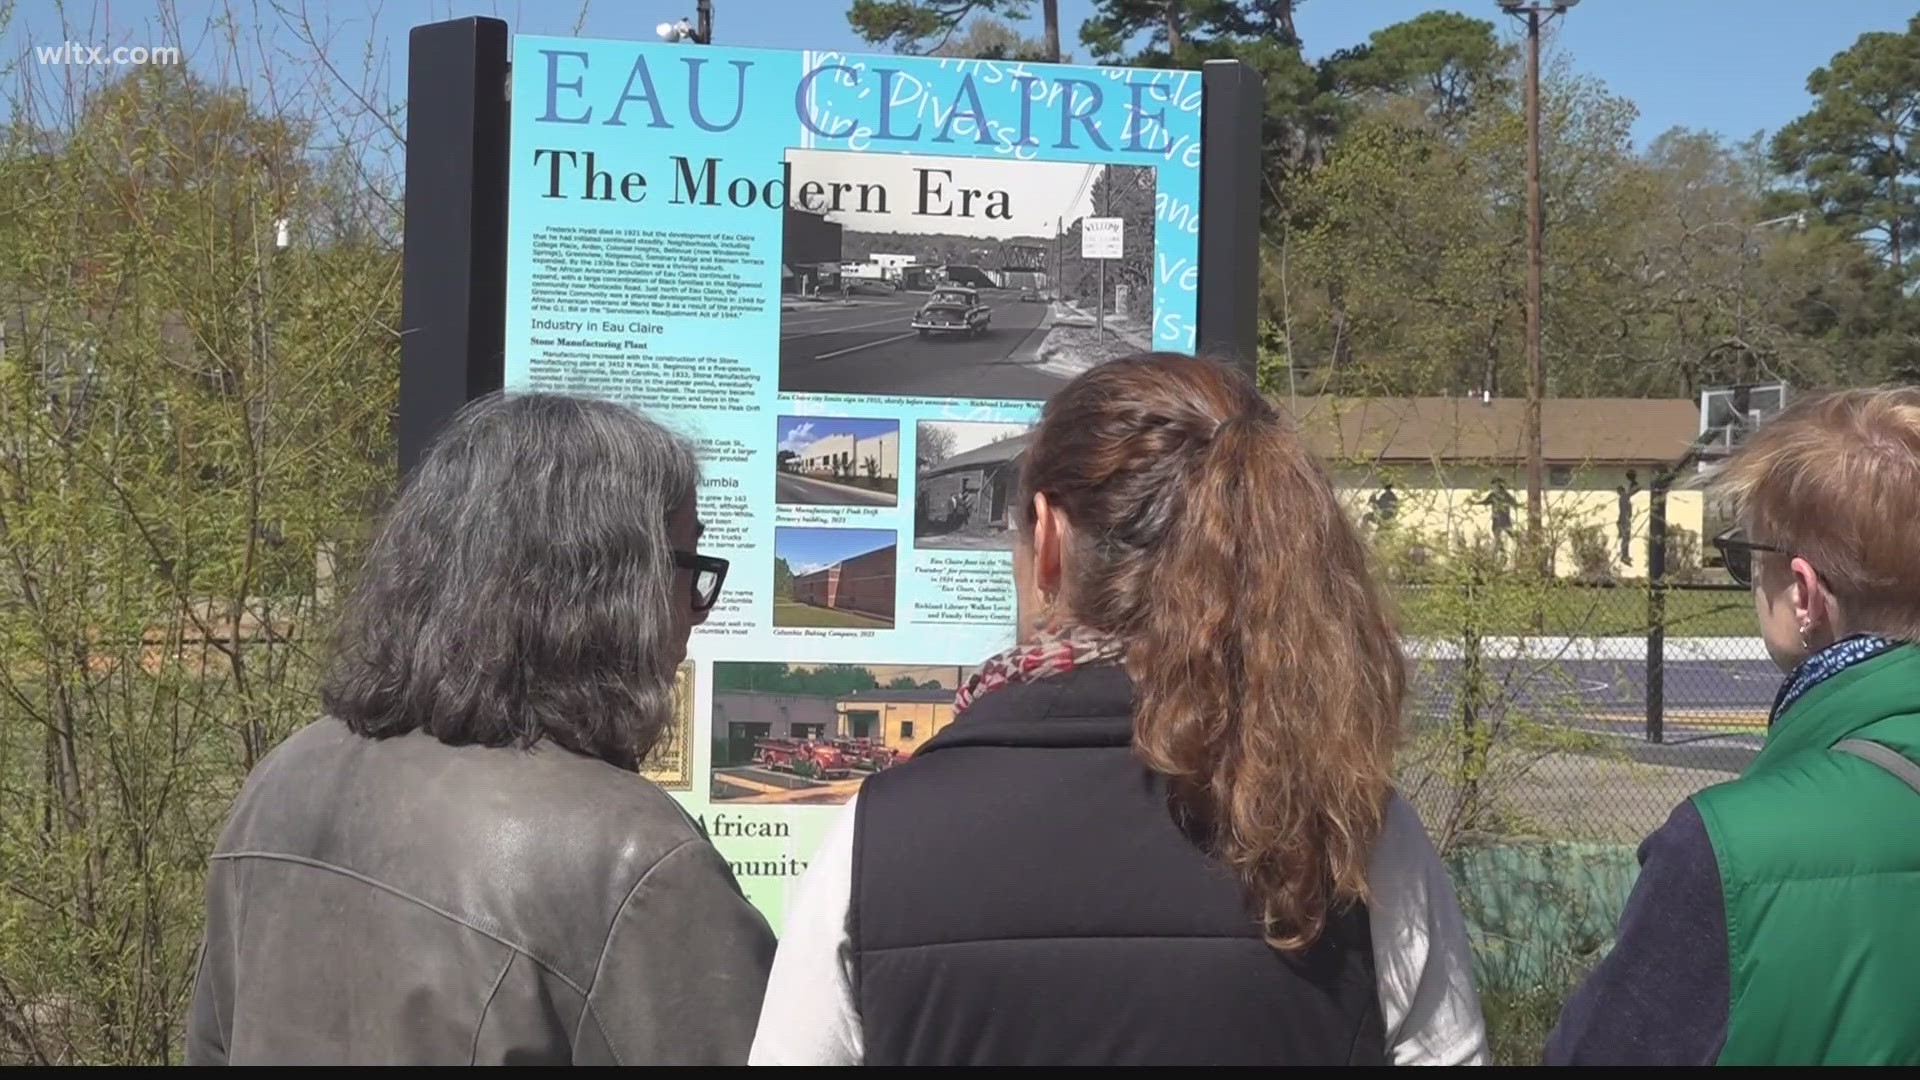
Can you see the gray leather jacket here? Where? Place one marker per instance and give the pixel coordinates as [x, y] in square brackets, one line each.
[407, 902]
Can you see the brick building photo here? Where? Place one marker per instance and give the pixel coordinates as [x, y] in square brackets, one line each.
[834, 577]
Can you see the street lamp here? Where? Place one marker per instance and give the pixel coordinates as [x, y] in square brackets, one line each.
[1794, 222]
[1535, 14]
[699, 32]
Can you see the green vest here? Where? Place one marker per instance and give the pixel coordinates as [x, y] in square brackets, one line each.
[1819, 857]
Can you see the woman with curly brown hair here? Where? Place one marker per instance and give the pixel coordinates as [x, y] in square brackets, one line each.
[1161, 829]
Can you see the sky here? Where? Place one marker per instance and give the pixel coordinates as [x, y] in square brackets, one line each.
[1731, 66]
[972, 435]
[807, 550]
[797, 432]
[1040, 195]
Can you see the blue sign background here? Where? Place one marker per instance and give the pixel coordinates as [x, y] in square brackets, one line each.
[635, 106]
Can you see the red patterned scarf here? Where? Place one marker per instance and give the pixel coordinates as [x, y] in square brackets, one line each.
[1049, 653]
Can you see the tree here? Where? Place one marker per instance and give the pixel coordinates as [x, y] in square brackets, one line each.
[988, 38]
[1854, 152]
[934, 444]
[194, 426]
[1301, 113]
[1450, 60]
[1178, 30]
[782, 577]
[930, 25]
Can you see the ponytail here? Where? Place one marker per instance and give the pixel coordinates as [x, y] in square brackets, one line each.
[1268, 677]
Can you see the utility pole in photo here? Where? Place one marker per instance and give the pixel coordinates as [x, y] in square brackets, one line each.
[1534, 14]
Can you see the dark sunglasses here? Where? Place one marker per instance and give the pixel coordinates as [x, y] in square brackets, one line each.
[1736, 554]
[709, 573]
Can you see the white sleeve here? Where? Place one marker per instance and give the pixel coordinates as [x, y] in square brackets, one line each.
[1422, 959]
[809, 1016]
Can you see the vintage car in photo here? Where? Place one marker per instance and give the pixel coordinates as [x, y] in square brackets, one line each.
[952, 310]
[806, 758]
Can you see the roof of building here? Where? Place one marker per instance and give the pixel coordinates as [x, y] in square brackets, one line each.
[890, 550]
[1574, 431]
[884, 694]
[995, 453]
[754, 706]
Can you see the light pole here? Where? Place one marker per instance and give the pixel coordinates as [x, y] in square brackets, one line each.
[1795, 222]
[699, 32]
[1535, 14]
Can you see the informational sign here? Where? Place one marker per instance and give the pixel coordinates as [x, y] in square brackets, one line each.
[852, 282]
[1102, 237]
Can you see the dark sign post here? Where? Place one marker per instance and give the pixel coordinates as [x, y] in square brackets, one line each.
[454, 287]
[1230, 211]
[455, 272]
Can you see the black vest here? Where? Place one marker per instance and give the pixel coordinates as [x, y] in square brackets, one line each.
[1023, 896]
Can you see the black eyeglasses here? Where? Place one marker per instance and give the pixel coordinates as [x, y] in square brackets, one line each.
[709, 573]
[1736, 554]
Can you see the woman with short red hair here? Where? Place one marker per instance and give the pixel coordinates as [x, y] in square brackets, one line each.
[1773, 922]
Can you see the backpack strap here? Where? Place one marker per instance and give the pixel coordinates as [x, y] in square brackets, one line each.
[1903, 770]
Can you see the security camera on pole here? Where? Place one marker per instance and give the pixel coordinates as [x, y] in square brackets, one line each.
[699, 32]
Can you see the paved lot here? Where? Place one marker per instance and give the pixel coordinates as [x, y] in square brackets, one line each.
[870, 347]
[811, 491]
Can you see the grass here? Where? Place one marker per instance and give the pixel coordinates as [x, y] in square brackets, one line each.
[1583, 612]
[792, 613]
[1519, 1021]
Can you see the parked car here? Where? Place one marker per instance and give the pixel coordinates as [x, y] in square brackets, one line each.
[1030, 296]
[865, 753]
[953, 310]
[802, 757]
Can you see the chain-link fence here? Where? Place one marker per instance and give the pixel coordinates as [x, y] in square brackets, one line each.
[1558, 710]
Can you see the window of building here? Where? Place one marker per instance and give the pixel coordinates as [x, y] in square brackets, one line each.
[809, 731]
[906, 729]
[1560, 475]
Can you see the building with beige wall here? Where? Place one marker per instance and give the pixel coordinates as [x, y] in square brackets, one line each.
[901, 719]
[1446, 461]
[876, 457]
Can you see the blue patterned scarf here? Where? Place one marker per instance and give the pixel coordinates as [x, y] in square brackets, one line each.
[1824, 665]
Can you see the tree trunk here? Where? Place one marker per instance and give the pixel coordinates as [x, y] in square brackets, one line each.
[1285, 15]
[1050, 15]
[1342, 325]
[1173, 29]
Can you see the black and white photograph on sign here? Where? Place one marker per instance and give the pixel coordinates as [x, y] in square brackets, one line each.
[966, 475]
[837, 461]
[916, 275]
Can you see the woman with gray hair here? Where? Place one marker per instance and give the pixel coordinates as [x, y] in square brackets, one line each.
[459, 863]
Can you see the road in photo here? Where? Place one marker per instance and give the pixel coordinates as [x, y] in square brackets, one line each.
[931, 276]
[808, 491]
[869, 346]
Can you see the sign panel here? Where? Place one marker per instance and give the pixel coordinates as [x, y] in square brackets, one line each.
[1101, 237]
[852, 282]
